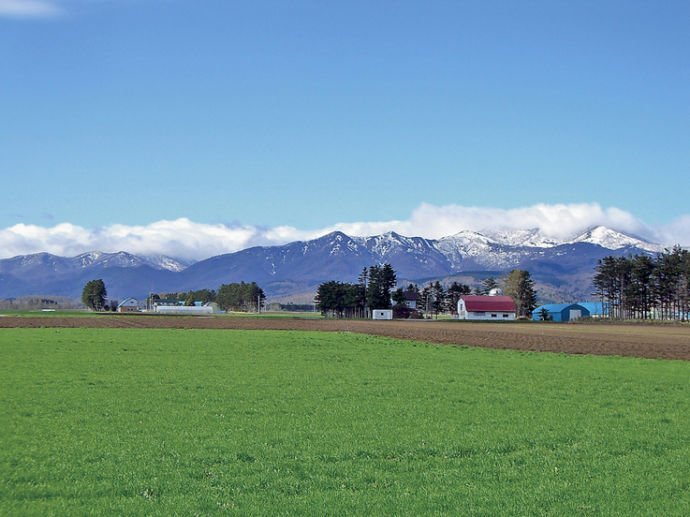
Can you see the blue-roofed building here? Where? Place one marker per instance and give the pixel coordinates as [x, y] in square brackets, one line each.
[560, 312]
[596, 309]
[128, 305]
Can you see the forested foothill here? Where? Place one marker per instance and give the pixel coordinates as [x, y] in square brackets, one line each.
[644, 287]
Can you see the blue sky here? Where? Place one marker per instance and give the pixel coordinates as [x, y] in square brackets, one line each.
[310, 114]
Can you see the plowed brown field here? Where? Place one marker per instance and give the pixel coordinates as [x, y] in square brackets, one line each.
[651, 341]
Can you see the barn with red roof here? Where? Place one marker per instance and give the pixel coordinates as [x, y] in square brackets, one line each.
[486, 308]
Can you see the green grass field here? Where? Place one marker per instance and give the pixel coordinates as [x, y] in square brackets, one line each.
[202, 422]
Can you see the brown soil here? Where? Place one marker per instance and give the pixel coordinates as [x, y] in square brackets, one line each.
[651, 341]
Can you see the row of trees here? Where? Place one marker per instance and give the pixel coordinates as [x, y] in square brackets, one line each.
[189, 297]
[644, 287]
[432, 299]
[240, 297]
[39, 302]
[236, 297]
[373, 291]
[248, 297]
[348, 300]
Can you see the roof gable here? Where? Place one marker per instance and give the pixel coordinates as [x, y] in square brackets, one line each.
[559, 307]
[475, 303]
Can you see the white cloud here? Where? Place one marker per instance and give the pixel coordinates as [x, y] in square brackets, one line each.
[677, 232]
[29, 8]
[186, 239]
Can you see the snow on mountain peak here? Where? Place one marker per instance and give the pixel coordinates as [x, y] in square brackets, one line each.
[531, 237]
[613, 240]
[468, 236]
[165, 262]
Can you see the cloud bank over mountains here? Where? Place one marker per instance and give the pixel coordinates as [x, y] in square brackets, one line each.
[189, 240]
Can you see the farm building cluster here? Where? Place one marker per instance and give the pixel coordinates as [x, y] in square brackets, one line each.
[167, 306]
[497, 307]
[172, 306]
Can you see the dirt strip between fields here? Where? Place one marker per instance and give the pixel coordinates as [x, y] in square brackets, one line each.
[650, 341]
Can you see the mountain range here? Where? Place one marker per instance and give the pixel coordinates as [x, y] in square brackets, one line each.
[562, 268]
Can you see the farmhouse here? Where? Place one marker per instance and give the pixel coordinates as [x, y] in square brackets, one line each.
[560, 312]
[411, 298]
[128, 305]
[486, 308]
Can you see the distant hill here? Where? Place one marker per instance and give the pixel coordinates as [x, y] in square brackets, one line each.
[562, 269]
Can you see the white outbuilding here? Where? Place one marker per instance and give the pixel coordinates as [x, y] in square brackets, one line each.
[382, 314]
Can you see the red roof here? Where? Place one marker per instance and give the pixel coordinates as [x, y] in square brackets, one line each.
[488, 303]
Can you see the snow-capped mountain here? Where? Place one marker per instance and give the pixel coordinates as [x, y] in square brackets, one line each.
[299, 267]
[613, 240]
[124, 259]
[530, 237]
[166, 263]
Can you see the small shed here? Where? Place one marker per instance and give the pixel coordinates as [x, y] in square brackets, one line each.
[382, 314]
[486, 308]
[128, 305]
[560, 312]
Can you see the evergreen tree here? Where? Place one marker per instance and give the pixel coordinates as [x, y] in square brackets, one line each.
[455, 291]
[381, 280]
[93, 295]
[488, 284]
[399, 296]
[544, 314]
[362, 283]
[427, 299]
[439, 298]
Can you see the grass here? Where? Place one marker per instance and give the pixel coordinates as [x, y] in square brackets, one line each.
[203, 422]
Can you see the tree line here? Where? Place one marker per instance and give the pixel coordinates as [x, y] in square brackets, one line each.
[189, 297]
[247, 297]
[645, 287]
[351, 300]
[373, 291]
[239, 297]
